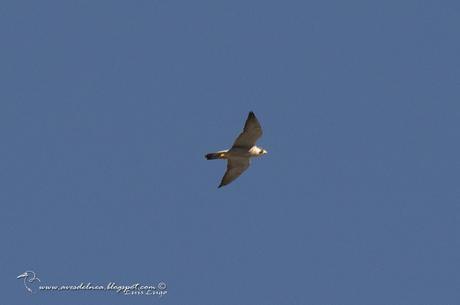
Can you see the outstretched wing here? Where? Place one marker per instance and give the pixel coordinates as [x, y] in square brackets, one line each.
[235, 167]
[252, 131]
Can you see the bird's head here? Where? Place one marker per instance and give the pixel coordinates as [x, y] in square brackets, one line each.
[25, 274]
[263, 151]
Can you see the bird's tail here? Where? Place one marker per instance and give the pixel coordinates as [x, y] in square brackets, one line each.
[213, 156]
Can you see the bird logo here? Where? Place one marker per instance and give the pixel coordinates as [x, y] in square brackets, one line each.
[28, 277]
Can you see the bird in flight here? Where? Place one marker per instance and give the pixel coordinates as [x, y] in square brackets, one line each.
[243, 149]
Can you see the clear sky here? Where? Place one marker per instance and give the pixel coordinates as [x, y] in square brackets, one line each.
[108, 107]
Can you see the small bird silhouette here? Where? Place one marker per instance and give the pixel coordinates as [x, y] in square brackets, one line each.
[29, 277]
[243, 149]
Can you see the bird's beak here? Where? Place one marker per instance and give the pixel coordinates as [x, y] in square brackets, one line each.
[265, 152]
[22, 275]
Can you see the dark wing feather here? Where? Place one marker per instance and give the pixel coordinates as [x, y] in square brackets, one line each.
[251, 133]
[235, 167]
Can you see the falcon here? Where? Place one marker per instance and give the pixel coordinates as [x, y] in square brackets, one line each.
[243, 149]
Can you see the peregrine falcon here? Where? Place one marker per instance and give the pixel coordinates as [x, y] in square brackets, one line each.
[242, 150]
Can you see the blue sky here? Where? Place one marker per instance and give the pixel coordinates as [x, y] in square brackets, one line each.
[108, 107]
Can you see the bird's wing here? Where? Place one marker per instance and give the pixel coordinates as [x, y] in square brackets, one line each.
[252, 131]
[235, 167]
